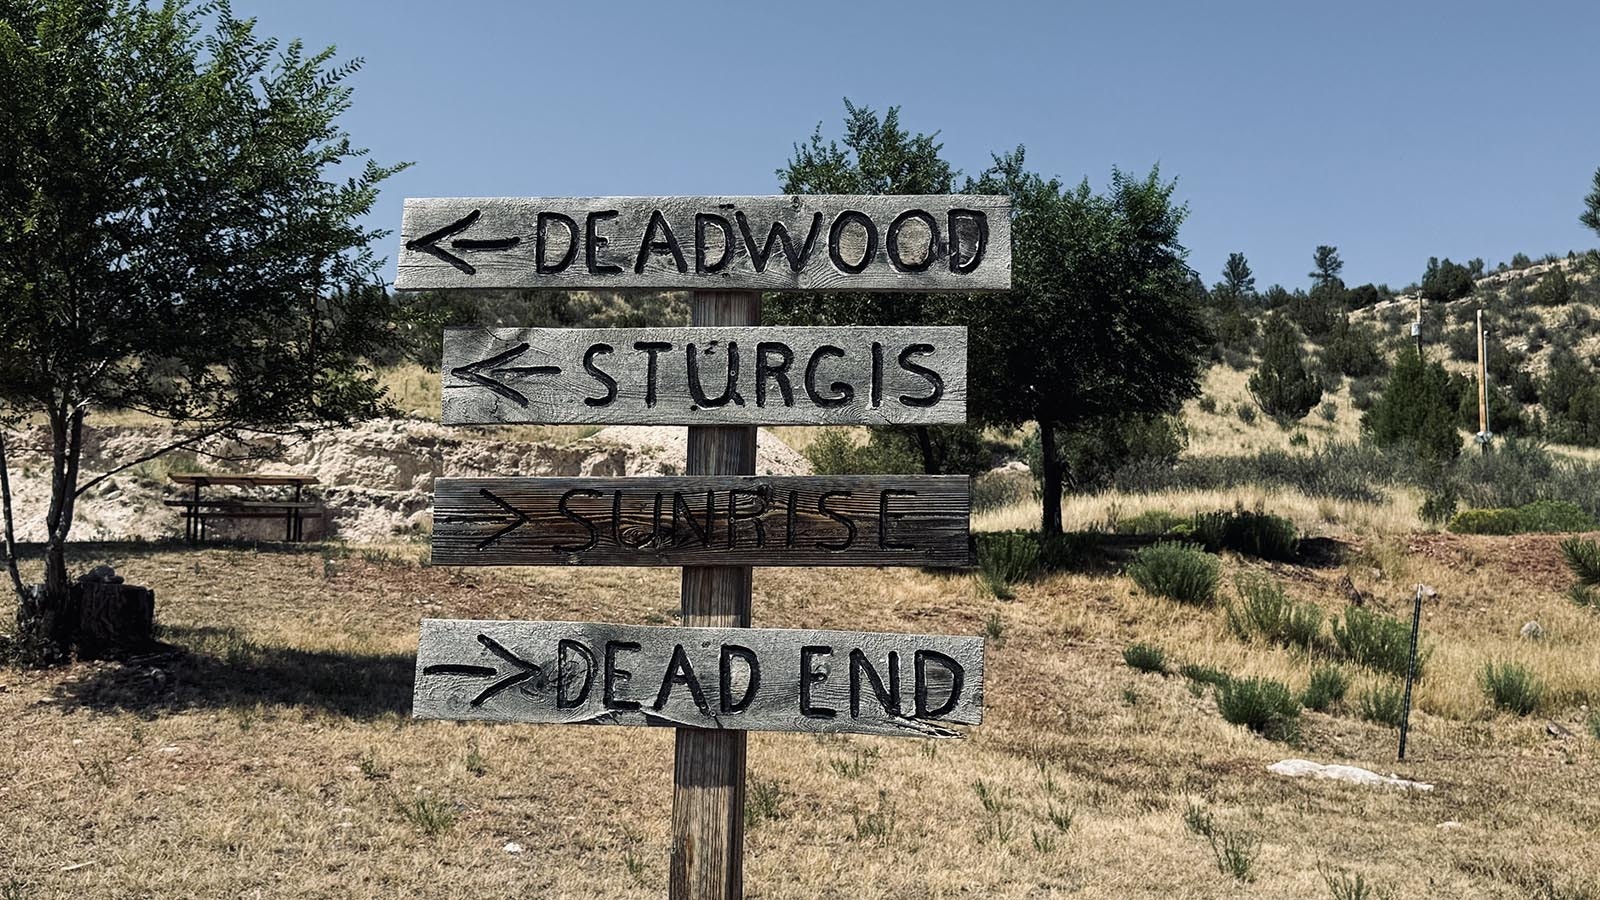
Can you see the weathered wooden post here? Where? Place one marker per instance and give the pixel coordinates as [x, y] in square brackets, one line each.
[708, 775]
[713, 677]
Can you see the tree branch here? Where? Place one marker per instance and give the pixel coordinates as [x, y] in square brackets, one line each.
[176, 445]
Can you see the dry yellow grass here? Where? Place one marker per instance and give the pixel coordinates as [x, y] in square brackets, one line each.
[277, 758]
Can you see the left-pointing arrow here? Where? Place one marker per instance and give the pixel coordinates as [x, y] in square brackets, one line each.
[522, 671]
[429, 243]
[475, 373]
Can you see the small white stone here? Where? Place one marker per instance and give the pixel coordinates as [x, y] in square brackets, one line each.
[1451, 825]
[513, 847]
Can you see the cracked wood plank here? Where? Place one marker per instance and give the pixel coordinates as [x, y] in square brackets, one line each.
[703, 520]
[746, 679]
[705, 376]
[820, 242]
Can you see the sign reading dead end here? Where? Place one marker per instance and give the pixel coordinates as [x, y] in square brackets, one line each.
[749, 679]
[794, 243]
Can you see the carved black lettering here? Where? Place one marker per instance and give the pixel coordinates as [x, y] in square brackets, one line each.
[885, 518]
[730, 388]
[704, 534]
[615, 677]
[752, 678]
[877, 374]
[836, 233]
[848, 523]
[891, 241]
[843, 392]
[588, 526]
[680, 672]
[809, 677]
[926, 374]
[765, 370]
[564, 665]
[594, 242]
[653, 348]
[701, 264]
[541, 242]
[888, 697]
[956, 676]
[968, 231]
[650, 243]
[777, 231]
[753, 515]
[599, 375]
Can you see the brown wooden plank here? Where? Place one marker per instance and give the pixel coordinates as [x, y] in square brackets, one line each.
[845, 520]
[695, 376]
[747, 679]
[785, 243]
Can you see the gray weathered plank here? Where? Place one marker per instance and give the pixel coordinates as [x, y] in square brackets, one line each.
[740, 376]
[711, 520]
[749, 679]
[826, 243]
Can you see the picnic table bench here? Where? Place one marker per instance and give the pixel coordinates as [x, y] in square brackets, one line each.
[197, 512]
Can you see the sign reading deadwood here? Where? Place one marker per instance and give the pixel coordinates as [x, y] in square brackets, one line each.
[721, 376]
[796, 243]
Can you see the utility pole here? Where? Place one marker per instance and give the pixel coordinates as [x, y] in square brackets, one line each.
[1483, 387]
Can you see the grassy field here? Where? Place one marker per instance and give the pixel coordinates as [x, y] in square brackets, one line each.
[276, 757]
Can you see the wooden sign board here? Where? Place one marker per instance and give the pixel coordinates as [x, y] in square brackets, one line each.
[705, 376]
[747, 679]
[794, 243]
[705, 520]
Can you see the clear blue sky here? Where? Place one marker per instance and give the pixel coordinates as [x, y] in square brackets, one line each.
[1395, 131]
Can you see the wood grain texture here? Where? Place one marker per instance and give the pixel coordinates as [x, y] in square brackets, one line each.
[744, 679]
[846, 520]
[694, 376]
[784, 243]
[708, 765]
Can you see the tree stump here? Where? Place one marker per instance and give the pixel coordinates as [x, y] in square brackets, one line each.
[113, 618]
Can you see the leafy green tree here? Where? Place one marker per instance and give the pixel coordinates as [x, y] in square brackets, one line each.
[878, 156]
[174, 241]
[1092, 452]
[1101, 321]
[1445, 281]
[1417, 407]
[1281, 385]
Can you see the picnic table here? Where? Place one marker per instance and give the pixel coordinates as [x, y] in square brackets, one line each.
[197, 511]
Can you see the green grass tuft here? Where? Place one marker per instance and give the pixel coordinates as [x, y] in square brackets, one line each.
[1181, 572]
[1511, 687]
[1145, 658]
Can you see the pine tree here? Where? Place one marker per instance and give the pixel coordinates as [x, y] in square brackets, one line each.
[1417, 407]
[1281, 386]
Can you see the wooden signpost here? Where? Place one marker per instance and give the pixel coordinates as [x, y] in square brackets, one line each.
[713, 678]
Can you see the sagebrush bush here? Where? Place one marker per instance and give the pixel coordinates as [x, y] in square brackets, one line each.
[1383, 703]
[1583, 560]
[1177, 571]
[1150, 522]
[1204, 674]
[1538, 517]
[1327, 686]
[1377, 641]
[1254, 533]
[1008, 557]
[1145, 658]
[1511, 687]
[1263, 705]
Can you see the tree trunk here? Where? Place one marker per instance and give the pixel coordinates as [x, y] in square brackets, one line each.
[52, 619]
[1051, 523]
